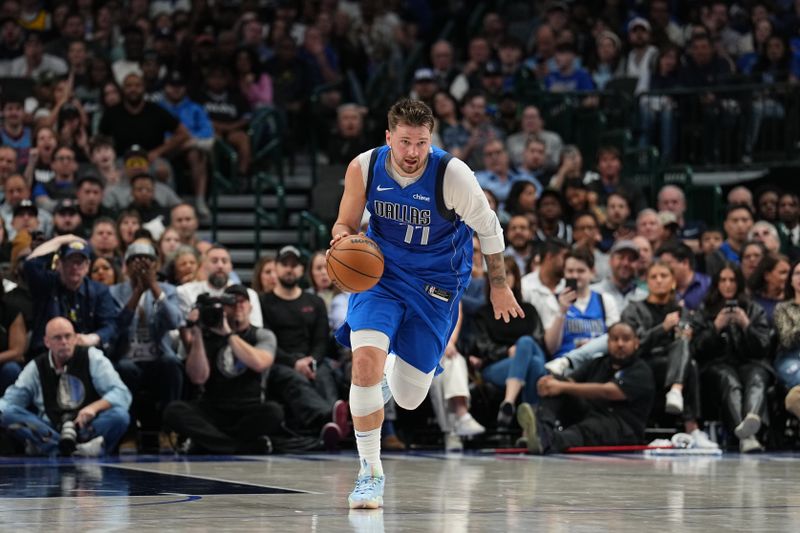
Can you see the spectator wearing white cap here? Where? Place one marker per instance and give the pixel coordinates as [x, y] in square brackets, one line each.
[641, 59]
[424, 86]
[142, 352]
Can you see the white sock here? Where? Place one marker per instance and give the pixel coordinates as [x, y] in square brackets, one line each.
[369, 450]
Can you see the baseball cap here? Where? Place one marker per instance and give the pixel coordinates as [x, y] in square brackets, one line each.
[140, 249]
[492, 68]
[625, 245]
[287, 251]
[237, 290]
[638, 22]
[556, 6]
[423, 74]
[26, 205]
[75, 247]
[136, 156]
[66, 205]
[667, 218]
[175, 78]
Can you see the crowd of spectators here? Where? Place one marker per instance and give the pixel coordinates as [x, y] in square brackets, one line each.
[109, 113]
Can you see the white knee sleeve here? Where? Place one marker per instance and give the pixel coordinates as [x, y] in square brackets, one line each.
[409, 386]
[369, 337]
[365, 400]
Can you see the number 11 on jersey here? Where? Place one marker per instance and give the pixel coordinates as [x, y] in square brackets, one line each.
[410, 230]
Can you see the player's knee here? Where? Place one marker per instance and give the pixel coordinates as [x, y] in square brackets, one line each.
[409, 397]
[409, 385]
[366, 368]
[365, 400]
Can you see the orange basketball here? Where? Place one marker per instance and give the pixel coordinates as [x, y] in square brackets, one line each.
[355, 263]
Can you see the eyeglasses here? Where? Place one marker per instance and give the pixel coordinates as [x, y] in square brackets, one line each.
[64, 158]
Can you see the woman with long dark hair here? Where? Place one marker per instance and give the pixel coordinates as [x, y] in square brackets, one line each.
[732, 343]
[768, 282]
[509, 354]
[254, 84]
[787, 326]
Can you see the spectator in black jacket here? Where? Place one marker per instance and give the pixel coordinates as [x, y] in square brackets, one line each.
[509, 354]
[661, 324]
[733, 344]
[704, 68]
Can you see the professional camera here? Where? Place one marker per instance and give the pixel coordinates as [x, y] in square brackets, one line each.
[69, 436]
[211, 309]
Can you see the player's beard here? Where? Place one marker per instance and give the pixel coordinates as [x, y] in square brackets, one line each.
[402, 165]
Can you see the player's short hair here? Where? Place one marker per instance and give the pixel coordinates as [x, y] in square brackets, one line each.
[411, 113]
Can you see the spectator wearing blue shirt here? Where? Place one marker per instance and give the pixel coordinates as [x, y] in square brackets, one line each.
[98, 403]
[68, 292]
[143, 352]
[691, 286]
[195, 119]
[738, 221]
[568, 77]
[14, 132]
[466, 140]
[498, 176]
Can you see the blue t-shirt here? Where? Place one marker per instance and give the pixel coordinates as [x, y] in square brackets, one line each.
[577, 80]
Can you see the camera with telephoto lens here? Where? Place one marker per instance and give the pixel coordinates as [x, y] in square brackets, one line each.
[211, 309]
[69, 436]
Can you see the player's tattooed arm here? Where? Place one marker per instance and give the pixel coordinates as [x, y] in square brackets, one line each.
[497, 269]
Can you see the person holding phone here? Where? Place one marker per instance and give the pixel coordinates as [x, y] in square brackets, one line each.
[583, 313]
[732, 344]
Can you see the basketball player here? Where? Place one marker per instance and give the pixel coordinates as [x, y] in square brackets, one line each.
[424, 205]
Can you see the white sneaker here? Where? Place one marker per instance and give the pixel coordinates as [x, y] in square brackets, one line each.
[748, 427]
[467, 426]
[92, 448]
[452, 443]
[558, 366]
[750, 445]
[674, 405]
[700, 439]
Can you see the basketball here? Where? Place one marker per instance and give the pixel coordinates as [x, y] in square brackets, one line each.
[355, 263]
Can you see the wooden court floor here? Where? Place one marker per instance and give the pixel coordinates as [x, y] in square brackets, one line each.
[424, 492]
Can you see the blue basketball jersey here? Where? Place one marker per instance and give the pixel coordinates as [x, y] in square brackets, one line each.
[583, 325]
[427, 253]
[416, 232]
[22, 145]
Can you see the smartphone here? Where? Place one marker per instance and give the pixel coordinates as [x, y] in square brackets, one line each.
[730, 305]
[572, 283]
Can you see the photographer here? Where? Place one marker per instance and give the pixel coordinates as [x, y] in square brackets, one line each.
[80, 405]
[143, 353]
[732, 343]
[227, 356]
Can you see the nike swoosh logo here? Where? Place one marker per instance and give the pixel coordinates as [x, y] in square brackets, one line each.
[381, 189]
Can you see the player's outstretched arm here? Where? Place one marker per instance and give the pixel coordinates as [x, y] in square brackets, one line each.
[503, 302]
[351, 208]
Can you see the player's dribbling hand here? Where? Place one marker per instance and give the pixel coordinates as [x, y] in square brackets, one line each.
[338, 237]
[504, 304]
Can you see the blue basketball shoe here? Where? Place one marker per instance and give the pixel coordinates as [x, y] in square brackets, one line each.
[368, 492]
